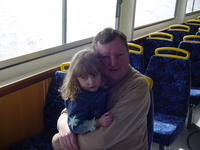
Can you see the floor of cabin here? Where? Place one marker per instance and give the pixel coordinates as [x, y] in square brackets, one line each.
[191, 135]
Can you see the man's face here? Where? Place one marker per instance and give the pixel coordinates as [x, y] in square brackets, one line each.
[114, 56]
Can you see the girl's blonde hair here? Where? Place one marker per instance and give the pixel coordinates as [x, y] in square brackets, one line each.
[83, 62]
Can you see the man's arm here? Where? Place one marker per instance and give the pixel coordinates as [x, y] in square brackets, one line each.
[67, 138]
[129, 113]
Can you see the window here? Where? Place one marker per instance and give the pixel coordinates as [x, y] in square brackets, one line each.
[85, 18]
[29, 26]
[192, 5]
[148, 12]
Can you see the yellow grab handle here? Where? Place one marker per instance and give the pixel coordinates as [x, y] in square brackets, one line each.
[179, 27]
[198, 18]
[150, 81]
[191, 36]
[141, 49]
[193, 22]
[199, 29]
[171, 55]
[159, 35]
[63, 65]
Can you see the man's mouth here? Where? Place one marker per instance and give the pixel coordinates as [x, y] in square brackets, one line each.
[113, 70]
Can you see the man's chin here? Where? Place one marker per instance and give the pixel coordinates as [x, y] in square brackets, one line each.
[114, 77]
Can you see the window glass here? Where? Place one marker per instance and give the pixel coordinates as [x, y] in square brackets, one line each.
[192, 5]
[150, 11]
[29, 25]
[197, 5]
[85, 18]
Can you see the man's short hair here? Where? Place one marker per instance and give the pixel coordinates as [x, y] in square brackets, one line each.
[107, 35]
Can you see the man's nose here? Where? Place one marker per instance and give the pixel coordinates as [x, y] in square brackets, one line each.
[113, 61]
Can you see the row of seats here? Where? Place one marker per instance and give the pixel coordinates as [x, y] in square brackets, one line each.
[171, 71]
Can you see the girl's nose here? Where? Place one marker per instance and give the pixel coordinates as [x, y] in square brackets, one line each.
[91, 80]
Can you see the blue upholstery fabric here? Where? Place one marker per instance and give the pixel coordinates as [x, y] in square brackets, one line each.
[150, 121]
[53, 107]
[178, 36]
[137, 61]
[163, 125]
[194, 49]
[197, 39]
[171, 89]
[151, 45]
[193, 28]
[195, 95]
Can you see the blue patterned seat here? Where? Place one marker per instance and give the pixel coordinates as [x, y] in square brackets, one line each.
[136, 56]
[171, 89]
[194, 48]
[178, 31]
[53, 107]
[197, 33]
[154, 41]
[194, 25]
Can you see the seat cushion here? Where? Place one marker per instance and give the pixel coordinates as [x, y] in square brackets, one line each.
[195, 95]
[167, 128]
[38, 142]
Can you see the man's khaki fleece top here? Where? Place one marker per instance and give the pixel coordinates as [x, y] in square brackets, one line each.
[128, 103]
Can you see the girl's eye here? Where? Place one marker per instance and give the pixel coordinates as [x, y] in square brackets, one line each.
[84, 77]
[95, 75]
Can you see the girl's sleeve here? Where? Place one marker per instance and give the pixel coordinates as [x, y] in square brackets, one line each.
[77, 117]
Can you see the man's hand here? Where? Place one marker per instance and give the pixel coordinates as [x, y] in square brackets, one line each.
[66, 137]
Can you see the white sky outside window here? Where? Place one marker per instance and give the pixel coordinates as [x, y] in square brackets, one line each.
[33, 25]
[151, 11]
[85, 18]
[28, 26]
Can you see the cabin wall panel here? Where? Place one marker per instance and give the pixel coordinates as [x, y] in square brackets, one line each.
[21, 113]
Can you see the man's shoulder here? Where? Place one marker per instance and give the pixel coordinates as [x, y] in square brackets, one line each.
[135, 77]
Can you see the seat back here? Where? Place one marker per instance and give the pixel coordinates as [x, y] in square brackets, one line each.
[193, 47]
[197, 33]
[171, 76]
[136, 56]
[54, 102]
[178, 31]
[150, 116]
[154, 41]
[194, 25]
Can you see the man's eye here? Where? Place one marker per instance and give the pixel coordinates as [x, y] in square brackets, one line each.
[118, 55]
[105, 57]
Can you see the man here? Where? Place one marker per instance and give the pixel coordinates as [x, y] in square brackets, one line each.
[128, 102]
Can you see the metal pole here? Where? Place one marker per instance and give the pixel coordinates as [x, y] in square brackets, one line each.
[118, 11]
[64, 22]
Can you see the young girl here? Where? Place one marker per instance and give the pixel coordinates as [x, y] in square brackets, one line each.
[84, 93]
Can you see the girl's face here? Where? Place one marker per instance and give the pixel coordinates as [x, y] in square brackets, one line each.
[90, 82]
